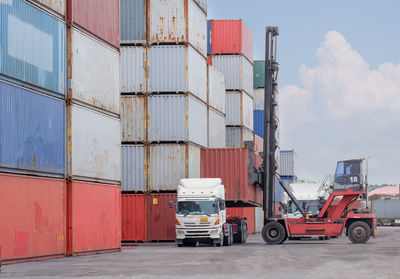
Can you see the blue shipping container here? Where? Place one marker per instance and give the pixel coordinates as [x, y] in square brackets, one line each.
[209, 37]
[32, 46]
[32, 131]
[259, 123]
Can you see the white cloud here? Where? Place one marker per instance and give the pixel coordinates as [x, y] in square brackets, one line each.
[344, 109]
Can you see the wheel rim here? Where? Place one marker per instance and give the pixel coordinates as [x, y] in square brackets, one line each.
[359, 233]
[273, 233]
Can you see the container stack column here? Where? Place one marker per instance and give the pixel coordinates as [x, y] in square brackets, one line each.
[164, 108]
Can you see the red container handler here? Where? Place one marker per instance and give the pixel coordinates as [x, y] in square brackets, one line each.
[94, 218]
[32, 218]
[160, 217]
[98, 17]
[133, 213]
[243, 212]
[231, 37]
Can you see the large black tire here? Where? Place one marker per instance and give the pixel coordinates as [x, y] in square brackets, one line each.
[359, 232]
[221, 240]
[241, 236]
[273, 233]
[228, 239]
[181, 245]
[230, 236]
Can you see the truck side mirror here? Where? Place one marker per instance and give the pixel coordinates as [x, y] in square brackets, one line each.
[171, 204]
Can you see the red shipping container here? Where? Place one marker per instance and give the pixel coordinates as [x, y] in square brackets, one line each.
[231, 165]
[133, 212]
[231, 37]
[98, 17]
[94, 218]
[258, 147]
[243, 212]
[209, 60]
[32, 218]
[160, 217]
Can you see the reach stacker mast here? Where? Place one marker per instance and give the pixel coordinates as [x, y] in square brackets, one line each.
[331, 219]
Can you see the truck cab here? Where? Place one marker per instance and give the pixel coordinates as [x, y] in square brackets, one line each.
[201, 214]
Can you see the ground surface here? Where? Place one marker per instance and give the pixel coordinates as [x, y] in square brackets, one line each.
[338, 258]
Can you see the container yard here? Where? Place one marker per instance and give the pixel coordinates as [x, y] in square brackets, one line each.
[143, 138]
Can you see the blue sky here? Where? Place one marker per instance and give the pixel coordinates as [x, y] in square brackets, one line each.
[339, 79]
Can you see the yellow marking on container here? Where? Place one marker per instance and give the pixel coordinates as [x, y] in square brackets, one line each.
[155, 201]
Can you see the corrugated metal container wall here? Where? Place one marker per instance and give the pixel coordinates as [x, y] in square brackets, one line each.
[169, 163]
[94, 218]
[237, 70]
[387, 209]
[160, 217]
[133, 168]
[231, 37]
[55, 5]
[236, 136]
[94, 81]
[32, 136]
[99, 17]
[259, 123]
[258, 219]
[32, 46]
[239, 109]
[216, 129]
[243, 212]
[287, 163]
[132, 69]
[177, 69]
[133, 215]
[231, 165]
[216, 89]
[133, 117]
[96, 145]
[258, 98]
[202, 4]
[133, 21]
[258, 148]
[177, 118]
[32, 217]
[259, 74]
[209, 52]
[178, 21]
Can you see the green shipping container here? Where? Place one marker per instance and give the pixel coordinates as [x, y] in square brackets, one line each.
[259, 74]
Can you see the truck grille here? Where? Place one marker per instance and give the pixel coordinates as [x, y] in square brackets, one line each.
[193, 225]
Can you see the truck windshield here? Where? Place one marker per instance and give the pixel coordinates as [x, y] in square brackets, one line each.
[292, 208]
[197, 207]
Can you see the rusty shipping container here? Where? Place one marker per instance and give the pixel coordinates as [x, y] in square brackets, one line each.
[243, 212]
[94, 218]
[231, 165]
[231, 37]
[57, 6]
[215, 89]
[133, 214]
[160, 217]
[133, 118]
[237, 136]
[98, 17]
[133, 69]
[32, 218]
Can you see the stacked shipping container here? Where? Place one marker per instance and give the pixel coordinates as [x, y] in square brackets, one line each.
[37, 49]
[230, 50]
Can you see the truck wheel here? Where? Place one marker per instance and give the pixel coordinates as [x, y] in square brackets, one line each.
[180, 245]
[359, 232]
[230, 236]
[273, 233]
[241, 236]
[221, 240]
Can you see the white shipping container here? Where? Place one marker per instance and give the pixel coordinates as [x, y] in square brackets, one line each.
[202, 4]
[258, 98]
[94, 72]
[55, 5]
[216, 89]
[237, 70]
[178, 21]
[168, 163]
[177, 118]
[133, 118]
[94, 145]
[239, 109]
[216, 129]
[236, 136]
[133, 69]
[176, 68]
[287, 163]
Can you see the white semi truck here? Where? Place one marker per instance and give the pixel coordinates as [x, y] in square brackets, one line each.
[201, 214]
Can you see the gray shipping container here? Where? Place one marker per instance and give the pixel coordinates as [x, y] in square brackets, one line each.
[258, 219]
[133, 168]
[54, 5]
[177, 69]
[168, 163]
[236, 136]
[287, 163]
[216, 129]
[133, 118]
[237, 70]
[386, 208]
[177, 118]
[216, 89]
[239, 109]
[132, 21]
[133, 69]
[258, 98]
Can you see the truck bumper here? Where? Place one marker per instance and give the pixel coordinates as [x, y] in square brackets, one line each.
[203, 233]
